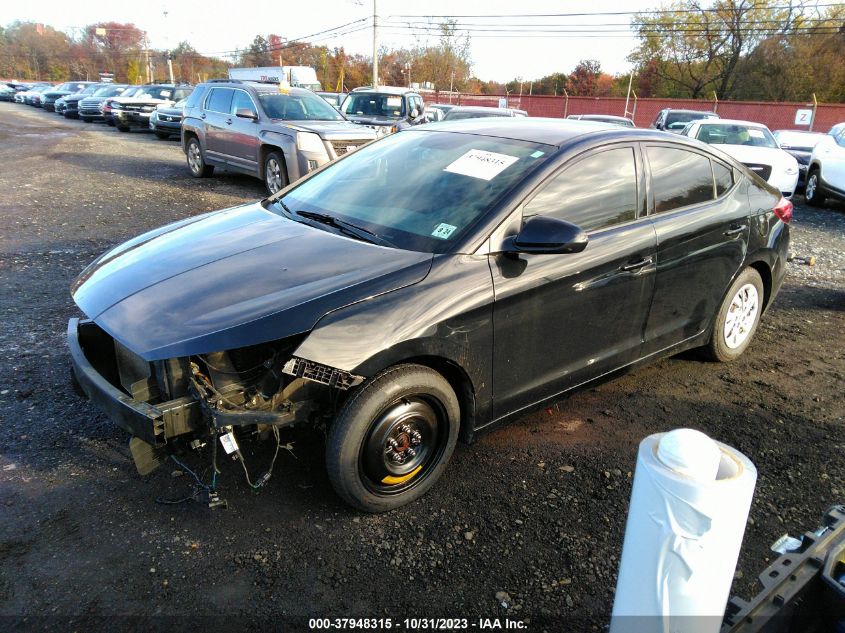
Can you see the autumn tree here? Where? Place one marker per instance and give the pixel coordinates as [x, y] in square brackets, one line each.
[695, 50]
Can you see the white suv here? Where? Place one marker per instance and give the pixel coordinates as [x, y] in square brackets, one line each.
[826, 173]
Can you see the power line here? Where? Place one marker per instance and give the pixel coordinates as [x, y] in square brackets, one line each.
[601, 13]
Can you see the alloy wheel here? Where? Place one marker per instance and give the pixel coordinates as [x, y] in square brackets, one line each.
[741, 316]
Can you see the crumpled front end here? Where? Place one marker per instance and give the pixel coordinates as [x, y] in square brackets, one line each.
[186, 402]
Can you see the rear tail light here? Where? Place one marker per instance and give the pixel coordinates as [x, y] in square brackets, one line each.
[783, 210]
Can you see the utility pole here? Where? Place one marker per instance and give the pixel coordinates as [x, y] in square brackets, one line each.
[375, 44]
[147, 59]
[169, 56]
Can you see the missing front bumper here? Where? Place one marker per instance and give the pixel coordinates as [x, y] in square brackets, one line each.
[93, 356]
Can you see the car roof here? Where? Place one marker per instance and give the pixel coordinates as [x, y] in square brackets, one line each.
[588, 117]
[483, 109]
[261, 87]
[394, 90]
[708, 112]
[551, 131]
[731, 122]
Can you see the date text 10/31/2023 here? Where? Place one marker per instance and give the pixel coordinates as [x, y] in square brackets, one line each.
[417, 624]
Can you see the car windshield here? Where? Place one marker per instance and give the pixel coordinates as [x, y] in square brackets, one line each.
[89, 90]
[419, 190]
[110, 91]
[373, 104]
[154, 92]
[298, 107]
[732, 134]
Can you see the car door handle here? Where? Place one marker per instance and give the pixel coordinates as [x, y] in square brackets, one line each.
[735, 230]
[228, 121]
[637, 265]
[202, 116]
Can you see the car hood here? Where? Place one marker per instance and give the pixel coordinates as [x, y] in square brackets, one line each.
[170, 111]
[373, 120]
[55, 94]
[332, 129]
[765, 155]
[233, 278]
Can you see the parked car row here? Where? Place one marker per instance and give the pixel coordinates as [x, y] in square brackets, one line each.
[279, 134]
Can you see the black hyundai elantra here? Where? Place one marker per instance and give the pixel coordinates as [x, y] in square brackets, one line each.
[424, 288]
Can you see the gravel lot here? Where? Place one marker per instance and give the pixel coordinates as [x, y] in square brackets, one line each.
[536, 509]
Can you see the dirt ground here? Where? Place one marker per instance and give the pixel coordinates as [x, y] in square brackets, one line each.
[536, 509]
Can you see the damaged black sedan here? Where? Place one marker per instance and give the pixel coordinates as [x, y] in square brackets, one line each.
[426, 287]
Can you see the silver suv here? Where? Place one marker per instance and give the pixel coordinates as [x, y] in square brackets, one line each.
[274, 133]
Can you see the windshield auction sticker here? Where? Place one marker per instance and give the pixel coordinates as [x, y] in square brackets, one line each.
[443, 231]
[477, 163]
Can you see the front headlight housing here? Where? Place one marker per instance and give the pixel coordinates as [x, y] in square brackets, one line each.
[310, 142]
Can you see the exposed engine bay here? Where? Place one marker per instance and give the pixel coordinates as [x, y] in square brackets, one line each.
[205, 402]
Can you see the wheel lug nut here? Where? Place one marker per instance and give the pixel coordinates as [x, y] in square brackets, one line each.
[410, 452]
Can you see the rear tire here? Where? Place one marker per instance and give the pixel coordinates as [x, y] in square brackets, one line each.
[813, 192]
[393, 438]
[122, 128]
[738, 317]
[196, 161]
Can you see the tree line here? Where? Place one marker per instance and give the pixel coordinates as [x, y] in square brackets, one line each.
[732, 49]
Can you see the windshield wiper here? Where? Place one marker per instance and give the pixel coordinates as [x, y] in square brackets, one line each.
[358, 232]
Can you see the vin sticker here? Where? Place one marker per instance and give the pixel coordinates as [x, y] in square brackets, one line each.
[443, 231]
[478, 163]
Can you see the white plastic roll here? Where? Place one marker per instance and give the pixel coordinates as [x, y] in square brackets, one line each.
[689, 507]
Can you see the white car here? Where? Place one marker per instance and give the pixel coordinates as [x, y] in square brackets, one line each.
[753, 145]
[826, 172]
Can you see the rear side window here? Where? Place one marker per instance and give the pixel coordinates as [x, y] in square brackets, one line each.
[196, 97]
[679, 178]
[596, 192]
[220, 100]
[724, 178]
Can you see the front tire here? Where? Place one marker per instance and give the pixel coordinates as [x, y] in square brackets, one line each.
[813, 192]
[162, 135]
[275, 173]
[738, 318]
[196, 162]
[122, 128]
[393, 438]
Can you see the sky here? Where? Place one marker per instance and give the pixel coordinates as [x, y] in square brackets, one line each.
[214, 26]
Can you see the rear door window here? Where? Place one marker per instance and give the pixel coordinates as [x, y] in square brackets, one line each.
[593, 193]
[679, 178]
[724, 177]
[219, 100]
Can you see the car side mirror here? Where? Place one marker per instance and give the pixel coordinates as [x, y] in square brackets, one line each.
[544, 235]
[414, 113]
[246, 113]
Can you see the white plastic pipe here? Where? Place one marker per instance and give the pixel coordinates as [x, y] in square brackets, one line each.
[689, 507]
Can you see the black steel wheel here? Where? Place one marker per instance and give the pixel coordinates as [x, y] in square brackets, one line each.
[393, 438]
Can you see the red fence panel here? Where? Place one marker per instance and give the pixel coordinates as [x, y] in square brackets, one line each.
[775, 115]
